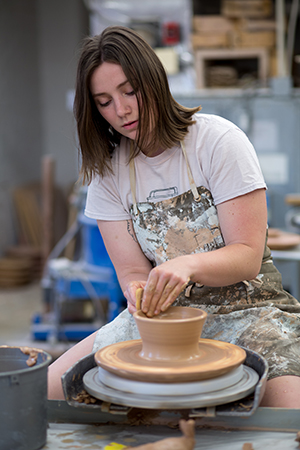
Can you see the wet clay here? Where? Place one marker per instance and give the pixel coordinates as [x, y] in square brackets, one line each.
[170, 350]
[33, 355]
[124, 360]
[84, 397]
[172, 335]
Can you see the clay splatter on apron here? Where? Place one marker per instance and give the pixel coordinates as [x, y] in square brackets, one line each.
[250, 313]
[178, 226]
[257, 314]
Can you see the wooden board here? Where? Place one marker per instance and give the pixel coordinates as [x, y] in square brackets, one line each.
[292, 199]
[280, 240]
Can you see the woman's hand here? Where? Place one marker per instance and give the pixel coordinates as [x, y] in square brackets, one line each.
[165, 282]
[130, 294]
[127, 257]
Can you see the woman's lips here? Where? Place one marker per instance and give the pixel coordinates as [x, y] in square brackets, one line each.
[130, 125]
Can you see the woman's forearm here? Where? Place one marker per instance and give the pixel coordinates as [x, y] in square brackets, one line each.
[225, 266]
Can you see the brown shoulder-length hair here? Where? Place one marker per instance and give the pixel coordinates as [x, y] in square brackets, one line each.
[144, 71]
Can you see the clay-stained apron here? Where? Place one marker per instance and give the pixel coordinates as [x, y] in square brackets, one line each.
[259, 314]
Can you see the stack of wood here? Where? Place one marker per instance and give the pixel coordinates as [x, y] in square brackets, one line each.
[14, 272]
[41, 219]
[242, 24]
[31, 255]
[22, 263]
[27, 201]
[223, 76]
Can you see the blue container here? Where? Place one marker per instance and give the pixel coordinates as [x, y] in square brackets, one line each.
[93, 248]
[97, 263]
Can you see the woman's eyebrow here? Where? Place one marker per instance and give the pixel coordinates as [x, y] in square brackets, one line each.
[118, 87]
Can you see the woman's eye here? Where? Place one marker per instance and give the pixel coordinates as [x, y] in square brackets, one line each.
[130, 93]
[104, 104]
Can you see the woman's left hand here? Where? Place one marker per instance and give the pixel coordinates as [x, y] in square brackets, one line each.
[164, 284]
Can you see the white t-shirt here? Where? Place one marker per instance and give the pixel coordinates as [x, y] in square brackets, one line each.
[221, 158]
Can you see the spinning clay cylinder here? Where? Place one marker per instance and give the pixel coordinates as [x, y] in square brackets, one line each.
[172, 335]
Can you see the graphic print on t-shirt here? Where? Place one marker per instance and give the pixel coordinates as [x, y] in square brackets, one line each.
[159, 194]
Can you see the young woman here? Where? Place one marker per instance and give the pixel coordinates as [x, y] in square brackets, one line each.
[180, 202]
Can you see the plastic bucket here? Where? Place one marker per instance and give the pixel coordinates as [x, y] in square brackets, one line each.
[23, 390]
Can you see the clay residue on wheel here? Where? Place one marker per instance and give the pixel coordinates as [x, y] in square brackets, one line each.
[84, 397]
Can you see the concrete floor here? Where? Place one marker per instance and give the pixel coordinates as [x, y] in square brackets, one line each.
[17, 306]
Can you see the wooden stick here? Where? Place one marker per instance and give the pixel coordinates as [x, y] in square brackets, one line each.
[280, 39]
[48, 165]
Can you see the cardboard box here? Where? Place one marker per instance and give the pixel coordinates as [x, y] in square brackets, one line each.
[247, 8]
[169, 59]
[211, 24]
[257, 25]
[244, 39]
[210, 40]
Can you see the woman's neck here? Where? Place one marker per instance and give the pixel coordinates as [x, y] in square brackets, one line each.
[154, 152]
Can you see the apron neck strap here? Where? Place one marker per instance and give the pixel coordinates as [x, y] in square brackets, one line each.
[132, 178]
[194, 189]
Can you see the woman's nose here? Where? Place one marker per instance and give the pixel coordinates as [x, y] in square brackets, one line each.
[122, 106]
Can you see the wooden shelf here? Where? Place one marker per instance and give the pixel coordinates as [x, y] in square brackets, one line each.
[203, 57]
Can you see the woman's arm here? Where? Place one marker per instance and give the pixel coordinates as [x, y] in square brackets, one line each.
[130, 263]
[243, 221]
[132, 268]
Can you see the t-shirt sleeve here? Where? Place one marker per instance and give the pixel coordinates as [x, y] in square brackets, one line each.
[103, 200]
[234, 168]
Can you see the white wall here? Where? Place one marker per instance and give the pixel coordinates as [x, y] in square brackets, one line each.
[61, 26]
[39, 40]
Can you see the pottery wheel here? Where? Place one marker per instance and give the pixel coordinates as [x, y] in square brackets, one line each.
[216, 358]
[241, 389]
[192, 387]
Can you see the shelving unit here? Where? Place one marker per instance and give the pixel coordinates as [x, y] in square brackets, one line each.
[237, 44]
[204, 57]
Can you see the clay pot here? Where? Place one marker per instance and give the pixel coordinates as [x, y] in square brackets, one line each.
[172, 335]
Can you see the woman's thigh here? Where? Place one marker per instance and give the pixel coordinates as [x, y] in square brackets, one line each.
[63, 363]
[282, 392]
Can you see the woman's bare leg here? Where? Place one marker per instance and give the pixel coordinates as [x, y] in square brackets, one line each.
[282, 392]
[63, 363]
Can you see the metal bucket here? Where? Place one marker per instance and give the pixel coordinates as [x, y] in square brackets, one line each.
[23, 398]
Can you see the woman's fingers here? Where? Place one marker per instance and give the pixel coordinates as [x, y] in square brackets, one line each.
[161, 290]
[130, 294]
[151, 304]
[164, 305]
[164, 284]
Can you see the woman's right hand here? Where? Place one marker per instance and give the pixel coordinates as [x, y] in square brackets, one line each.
[130, 294]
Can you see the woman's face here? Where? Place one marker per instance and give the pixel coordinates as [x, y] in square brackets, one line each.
[115, 99]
